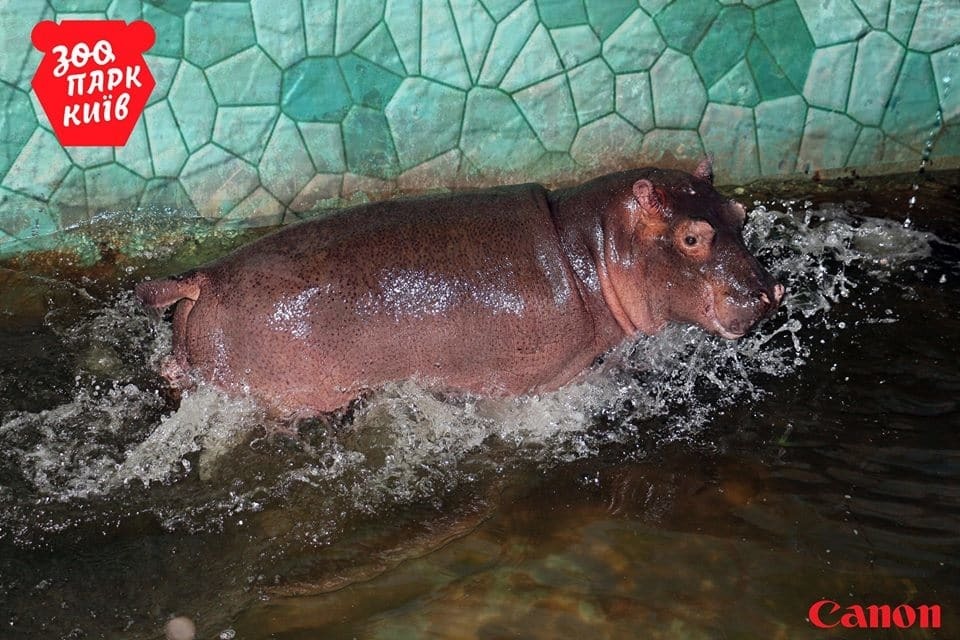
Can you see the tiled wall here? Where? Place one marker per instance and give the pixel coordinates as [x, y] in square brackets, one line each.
[266, 108]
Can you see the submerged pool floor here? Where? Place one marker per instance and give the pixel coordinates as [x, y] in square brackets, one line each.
[692, 488]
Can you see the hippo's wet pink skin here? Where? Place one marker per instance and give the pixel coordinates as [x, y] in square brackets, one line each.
[495, 292]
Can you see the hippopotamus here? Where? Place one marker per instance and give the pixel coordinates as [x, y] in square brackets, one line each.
[501, 291]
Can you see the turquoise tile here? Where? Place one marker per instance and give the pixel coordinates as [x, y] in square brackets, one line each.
[671, 147]
[875, 11]
[754, 4]
[403, 20]
[736, 87]
[112, 188]
[167, 193]
[279, 27]
[167, 147]
[126, 10]
[438, 173]
[592, 86]
[213, 31]
[780, 126]
[476, 29]
[424, 118]
[320, 27]
[39, 167]
[869, 148]
[314, 91]
[164, 70]
[89, 157]
[509, 38]
[562, 13]
[913, 111]
[285, 167]
[948, 144]
[193, 105]
[833, 21]
[135, 155]
[635, 45]
[325, 145]
[38, 112]
[729, 133]
[216, 181]
[606, 15]
[575, 45]
[17, 19]
[771, 82]
[78, 6]
[369, 84]
[653, 7]
[378, 47]
[168, 28]
[17, 123]
[828, 139]
[442, 58]
[635, 99]
[781, 27]
[322, 192]
[946, 72]
[356, 19]
[70, 199]
[368, 145]
[874, 72]
[937, 25]
[500, 9]
[828, 82]
[549, 110]
[496, 138]
[683, 23]
[24, 217]
[177, 7]
[248, 77]
[244, 131]
[537, 61]
[725, 44]
[608, 142]
[901, 17]
[259, 209]
[678, 93]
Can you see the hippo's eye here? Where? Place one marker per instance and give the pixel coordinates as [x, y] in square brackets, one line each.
[690, 241]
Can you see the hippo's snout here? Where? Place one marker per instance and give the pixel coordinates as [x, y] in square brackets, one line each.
[771, 300]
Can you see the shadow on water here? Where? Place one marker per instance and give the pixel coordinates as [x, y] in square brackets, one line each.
[690, 488]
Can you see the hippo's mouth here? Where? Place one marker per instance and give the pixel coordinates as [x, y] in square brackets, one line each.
[733, 330]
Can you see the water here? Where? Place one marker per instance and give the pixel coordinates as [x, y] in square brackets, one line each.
[689, 488]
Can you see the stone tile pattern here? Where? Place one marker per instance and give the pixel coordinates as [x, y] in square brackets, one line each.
[265, 109]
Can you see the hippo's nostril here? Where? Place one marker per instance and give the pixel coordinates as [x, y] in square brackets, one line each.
[778, 292]
[764, 298]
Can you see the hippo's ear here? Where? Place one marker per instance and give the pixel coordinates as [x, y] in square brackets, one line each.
[704, 170]
[650, 209]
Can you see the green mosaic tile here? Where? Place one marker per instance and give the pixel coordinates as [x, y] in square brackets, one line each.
[169, 150]
[167, 193]
[216, 181]
[683, 23]
[247, 78]
[164, 70]
[193, 105]
[135, 155]
[442, 58]
[753, 4]
[378, 47]
[77, 6]
[325, 145]
[549, 110]
[828, 82]
[725, 44]
[592, 86]
[869, 148]
[780, 126]
[319, 26]
[875, 11]
[729, 133]
[278, 25]
[948, 144]
[370, 85]
[500, 9]
[901, 17]
[355, 19]
[424, 118]
[875, 71]
[112, 188]
[575, 45]
[39, 167]
[665, 146]
[653, 7]
[30, 64]
[635, 45]
[476, 29]
[323, 191]
[912, 113]
[537, 61]
[126, 10]
[244, 131]
[285, 167]
[403, 20]
[88, 157]
[606, 15]
[169, 31]
[832, 21]
[17, 123]
[781, 27]
[770, 79]
[509, 38]
[438, 173]
[177, 7]
[946, 73]
[561, 13]
[610, 140]
[496, 137]
[937, 26]
[25, 218]
[736, 87]
[635, 99]
[17, 20]
[38, 112]
[213, 31]
[314, 91]
[828, 139]
[368, 144]
[259, 209]
[678, 93]
[70, 199]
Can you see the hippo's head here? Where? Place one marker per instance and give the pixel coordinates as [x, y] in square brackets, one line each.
[683, 258]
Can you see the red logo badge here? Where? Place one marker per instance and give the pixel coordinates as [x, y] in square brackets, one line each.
[93, 82]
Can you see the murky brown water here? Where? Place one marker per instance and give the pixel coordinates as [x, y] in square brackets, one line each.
[693, 489]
